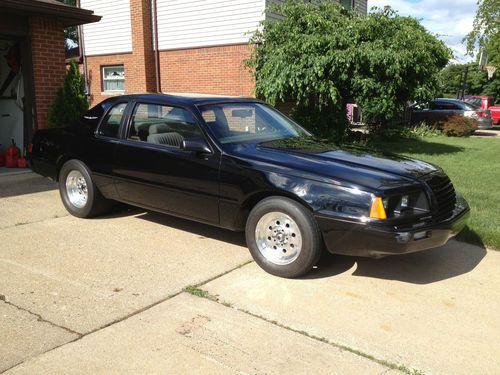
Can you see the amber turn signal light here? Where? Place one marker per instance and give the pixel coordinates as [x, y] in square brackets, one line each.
[377, 210]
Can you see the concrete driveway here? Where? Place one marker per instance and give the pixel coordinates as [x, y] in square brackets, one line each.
[139, 292]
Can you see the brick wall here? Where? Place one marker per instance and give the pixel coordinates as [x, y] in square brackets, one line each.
[139, 65]
[210, 70]
[47, 44]
[94, 65]
[141, 72]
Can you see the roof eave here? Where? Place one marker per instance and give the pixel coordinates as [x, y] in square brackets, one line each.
[68, 15]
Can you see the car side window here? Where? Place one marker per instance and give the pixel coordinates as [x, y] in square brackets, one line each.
[445, 106]
[162, 125]
[110, 125]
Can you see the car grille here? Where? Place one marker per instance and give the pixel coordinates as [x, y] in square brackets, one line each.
[444, 194]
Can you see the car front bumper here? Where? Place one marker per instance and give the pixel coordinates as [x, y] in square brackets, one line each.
[369, 240]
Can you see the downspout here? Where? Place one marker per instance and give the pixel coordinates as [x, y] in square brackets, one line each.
[84, 60]
[81, 46]
[154, 15]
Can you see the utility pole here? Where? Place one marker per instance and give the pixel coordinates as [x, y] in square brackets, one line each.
[461, 90]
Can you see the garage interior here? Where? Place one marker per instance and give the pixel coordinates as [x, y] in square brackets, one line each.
[32, 67]
[12, 98]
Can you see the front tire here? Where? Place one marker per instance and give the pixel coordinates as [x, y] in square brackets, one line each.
[283, 237]
[78, 192]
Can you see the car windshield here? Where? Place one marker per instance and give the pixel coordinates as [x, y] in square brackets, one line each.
[248, 122]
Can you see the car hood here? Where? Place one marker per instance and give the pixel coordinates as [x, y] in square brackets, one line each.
[358, 165]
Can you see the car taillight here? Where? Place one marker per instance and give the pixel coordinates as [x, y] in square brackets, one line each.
[481, 114]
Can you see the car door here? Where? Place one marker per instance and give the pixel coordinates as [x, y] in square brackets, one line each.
[100, 150]
[153, 171]
[442, 111]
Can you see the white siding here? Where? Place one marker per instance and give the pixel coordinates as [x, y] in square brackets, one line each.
[113, 33]
[198, 23]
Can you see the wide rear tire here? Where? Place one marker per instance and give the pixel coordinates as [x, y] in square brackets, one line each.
[78, 192]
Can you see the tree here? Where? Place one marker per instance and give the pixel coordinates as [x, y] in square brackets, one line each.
[486, 27]
[398, 61]
[450, 79]
[70, 102]
[70, 33]
[322, 56]
[485, 37]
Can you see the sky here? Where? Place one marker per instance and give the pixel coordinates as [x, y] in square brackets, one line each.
[451, 20]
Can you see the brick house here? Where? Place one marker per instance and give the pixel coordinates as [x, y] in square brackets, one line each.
[173, 46]
[32, 63]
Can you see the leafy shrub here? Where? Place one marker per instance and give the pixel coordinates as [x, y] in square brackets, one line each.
[425, 129]
[459, 126]
[70, 102]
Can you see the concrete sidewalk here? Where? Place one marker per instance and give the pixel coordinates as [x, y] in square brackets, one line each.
[106, 296]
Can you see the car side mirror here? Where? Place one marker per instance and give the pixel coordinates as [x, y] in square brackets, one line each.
[197, 145]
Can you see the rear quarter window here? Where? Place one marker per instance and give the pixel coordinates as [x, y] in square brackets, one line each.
[110, 126]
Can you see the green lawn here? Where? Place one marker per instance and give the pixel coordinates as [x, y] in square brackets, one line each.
[473, 164]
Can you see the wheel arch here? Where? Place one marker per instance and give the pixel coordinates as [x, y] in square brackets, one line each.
[251, 201]
[63, 159]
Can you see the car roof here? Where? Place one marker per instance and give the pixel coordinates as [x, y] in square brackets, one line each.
[448, 100]
[185, 99]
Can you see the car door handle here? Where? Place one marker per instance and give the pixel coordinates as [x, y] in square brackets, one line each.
[5, 114]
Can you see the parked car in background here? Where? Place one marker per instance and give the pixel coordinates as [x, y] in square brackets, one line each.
[240, 164]
[439, 110]
[486, 102]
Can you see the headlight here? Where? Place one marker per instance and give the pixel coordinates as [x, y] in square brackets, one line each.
[410, 204]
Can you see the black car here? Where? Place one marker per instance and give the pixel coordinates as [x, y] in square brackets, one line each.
[242, 165]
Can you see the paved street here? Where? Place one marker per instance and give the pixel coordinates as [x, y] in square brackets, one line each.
[140, 292]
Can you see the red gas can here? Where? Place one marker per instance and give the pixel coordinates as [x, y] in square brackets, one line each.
[12, 155]
[22, 163]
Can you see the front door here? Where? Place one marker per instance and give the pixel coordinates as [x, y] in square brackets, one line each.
[153, 172]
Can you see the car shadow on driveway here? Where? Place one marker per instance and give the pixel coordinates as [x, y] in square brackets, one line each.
[200, 229]
[426, 267]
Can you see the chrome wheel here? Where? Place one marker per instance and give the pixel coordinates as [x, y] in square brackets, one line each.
[278, 238]
[76, 189]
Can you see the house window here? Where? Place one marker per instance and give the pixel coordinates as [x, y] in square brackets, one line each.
[113, 78]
